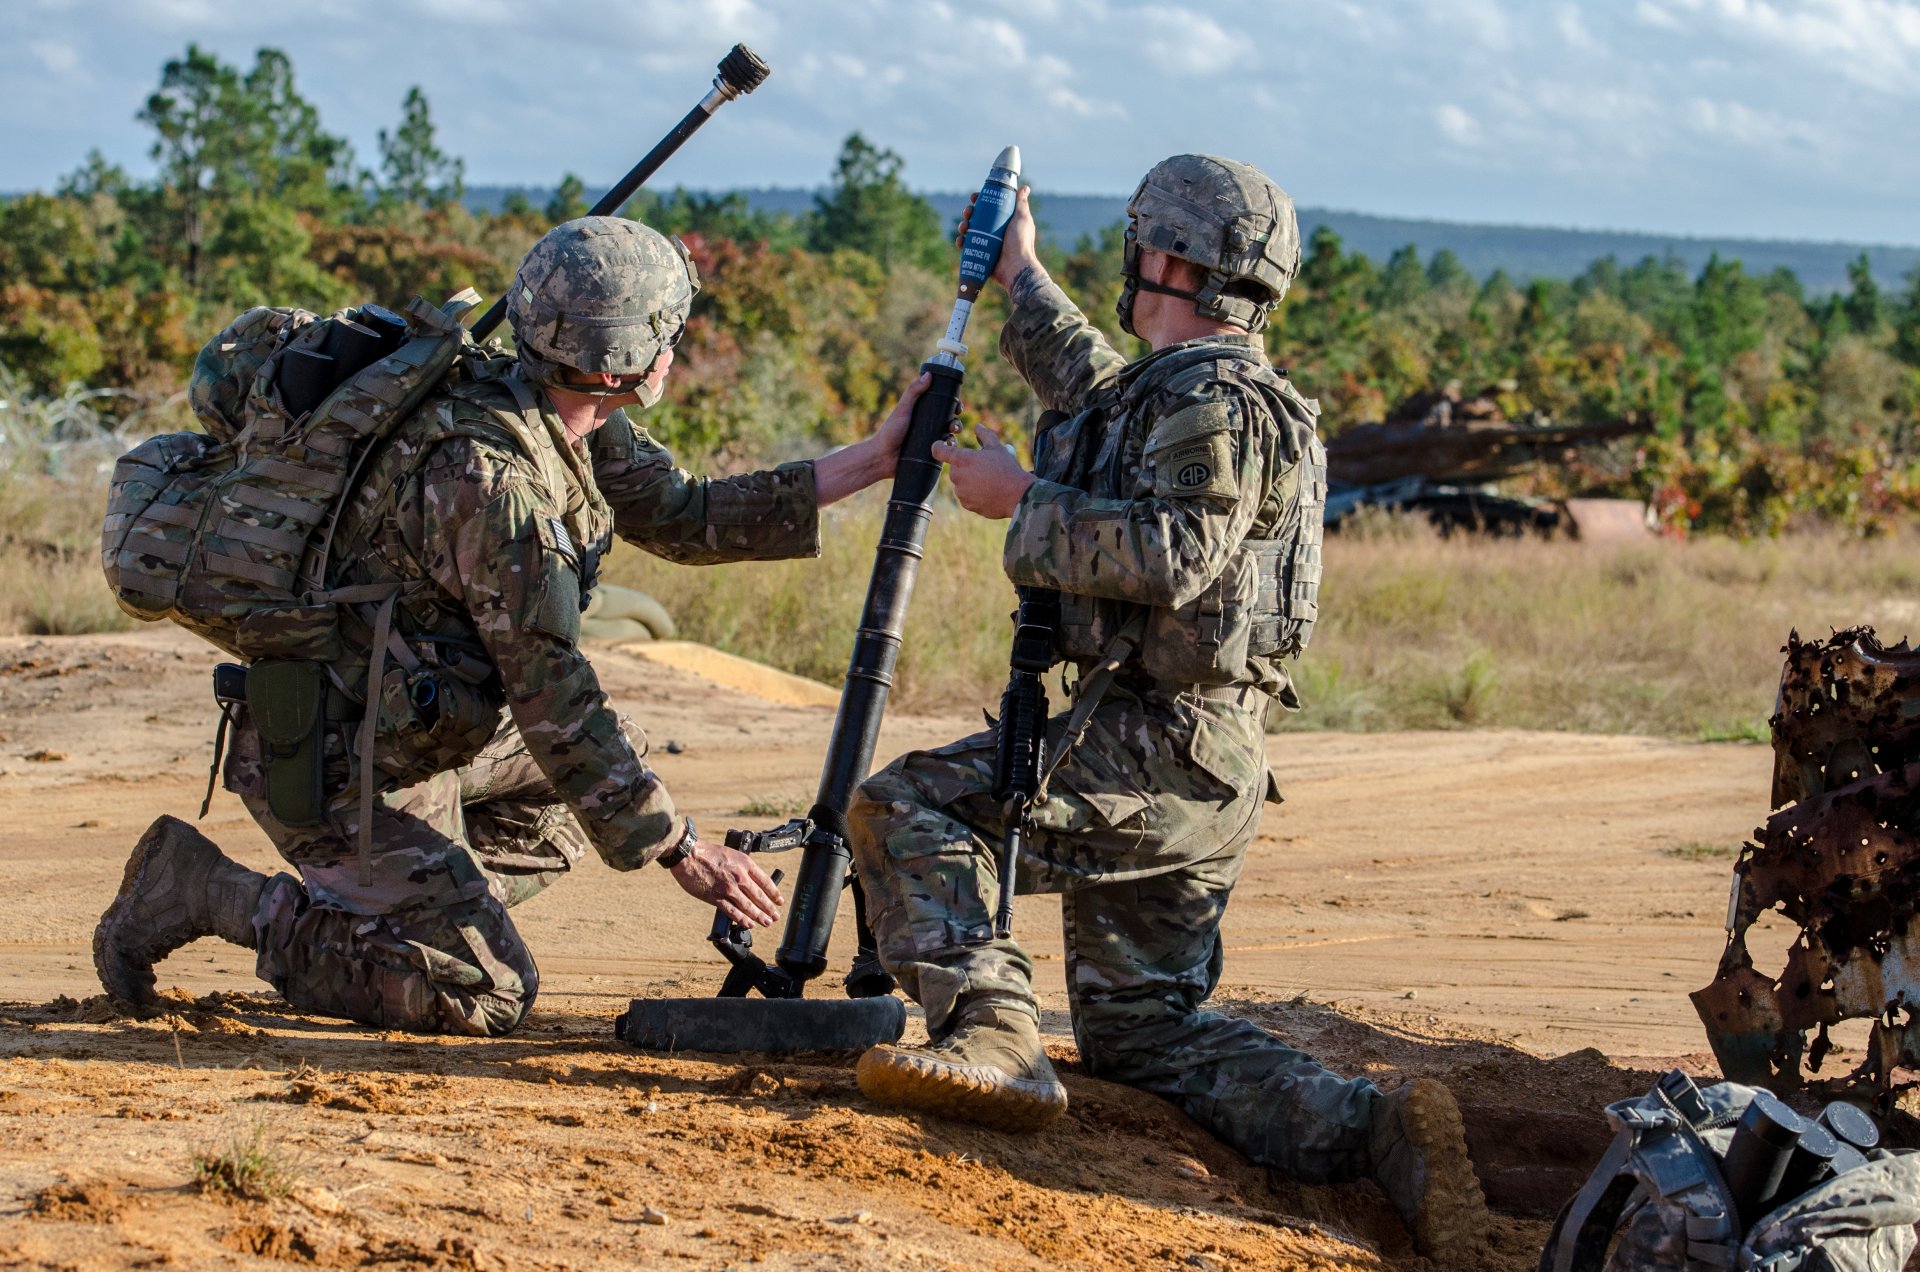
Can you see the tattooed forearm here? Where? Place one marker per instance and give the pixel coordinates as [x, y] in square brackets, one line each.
[1029, 280]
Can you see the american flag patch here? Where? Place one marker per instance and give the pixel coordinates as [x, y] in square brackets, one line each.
[560, 537]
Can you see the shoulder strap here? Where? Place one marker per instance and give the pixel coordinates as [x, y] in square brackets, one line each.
[1655, 1151]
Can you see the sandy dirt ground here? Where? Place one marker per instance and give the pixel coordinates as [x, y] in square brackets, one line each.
[1520, 913]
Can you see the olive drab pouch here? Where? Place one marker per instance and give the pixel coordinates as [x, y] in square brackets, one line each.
[287, 699]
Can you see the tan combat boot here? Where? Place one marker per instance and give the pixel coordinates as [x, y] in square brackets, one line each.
[990, 1069]
[1420, 1161]
[178, 886]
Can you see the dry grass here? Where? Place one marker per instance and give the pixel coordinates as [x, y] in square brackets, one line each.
[1674, 639]
[56, 454]
[252, 1164]
[800, 615]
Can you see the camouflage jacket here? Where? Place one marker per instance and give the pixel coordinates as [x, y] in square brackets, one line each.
[496, 512]
[1164, 471]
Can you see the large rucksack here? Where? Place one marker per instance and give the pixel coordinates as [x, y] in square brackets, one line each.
[228, 532]
[1660, 1199]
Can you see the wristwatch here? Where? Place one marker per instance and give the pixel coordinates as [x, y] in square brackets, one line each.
[682, 848]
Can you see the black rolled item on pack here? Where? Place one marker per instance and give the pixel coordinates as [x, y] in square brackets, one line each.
[740, 72]
[1763, 1144]
[304, 379]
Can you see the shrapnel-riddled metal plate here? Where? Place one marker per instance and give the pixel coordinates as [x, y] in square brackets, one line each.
[1840, 858]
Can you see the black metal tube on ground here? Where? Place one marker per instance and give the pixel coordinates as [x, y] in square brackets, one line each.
[863, 700]
[1755, 1161]
[740, 72]
[1812, 1162]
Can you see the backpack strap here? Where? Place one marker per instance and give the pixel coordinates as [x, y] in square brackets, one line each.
[385, 596]
[1580, 1236]
[1656, 1152]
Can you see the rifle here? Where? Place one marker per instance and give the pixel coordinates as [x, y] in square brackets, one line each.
[1020, 757]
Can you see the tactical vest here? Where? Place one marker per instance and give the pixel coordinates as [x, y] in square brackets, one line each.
[1264, 603]
[1658, 1202]
[440, 699]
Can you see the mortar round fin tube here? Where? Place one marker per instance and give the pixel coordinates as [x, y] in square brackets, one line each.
[876, 647]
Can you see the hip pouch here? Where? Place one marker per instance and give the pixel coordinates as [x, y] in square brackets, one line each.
[287, 699]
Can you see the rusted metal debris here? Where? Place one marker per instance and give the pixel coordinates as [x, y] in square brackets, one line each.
[1841, 859]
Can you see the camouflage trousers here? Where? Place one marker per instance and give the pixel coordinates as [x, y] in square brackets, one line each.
[1143, 835]
[422, 939]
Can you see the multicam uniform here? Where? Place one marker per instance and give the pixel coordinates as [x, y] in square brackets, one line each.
[492, 508]
[1177, 493]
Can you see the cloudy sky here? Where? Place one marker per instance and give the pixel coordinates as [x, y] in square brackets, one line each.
[1777, 118]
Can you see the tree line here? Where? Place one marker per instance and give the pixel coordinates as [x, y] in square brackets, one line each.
[1764, 407]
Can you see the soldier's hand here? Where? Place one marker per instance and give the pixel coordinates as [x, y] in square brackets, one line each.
[731, 880]
[988, 481]
[1017, 250]
[840, 473]
[887, 439]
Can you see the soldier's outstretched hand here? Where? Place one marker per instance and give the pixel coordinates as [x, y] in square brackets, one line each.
[733, 881]
[988, 481]
[873, 458]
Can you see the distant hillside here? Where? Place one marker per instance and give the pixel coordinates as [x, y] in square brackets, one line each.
[1523, 251]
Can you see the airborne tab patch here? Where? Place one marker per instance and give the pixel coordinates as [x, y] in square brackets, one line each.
[1191, 452]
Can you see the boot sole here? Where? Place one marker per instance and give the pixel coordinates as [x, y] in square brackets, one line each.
[980, 1093]
[1453, 1225]
[129, 983]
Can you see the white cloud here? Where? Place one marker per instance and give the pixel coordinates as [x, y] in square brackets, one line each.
[1456, 125]
[1482, 21]
[1655, 15]
[1573, 30]
[1872, 42]
[56, 55]
[1186, 42]
[1741, 125]
[1681, 115]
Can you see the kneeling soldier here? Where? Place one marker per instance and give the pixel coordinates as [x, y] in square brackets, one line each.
[1176, 511]
[491, 504]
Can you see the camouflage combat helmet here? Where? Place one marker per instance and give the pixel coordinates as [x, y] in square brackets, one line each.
[600, 294]
[1225, 217]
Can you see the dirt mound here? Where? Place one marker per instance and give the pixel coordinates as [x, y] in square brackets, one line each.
[731, 672]
[77, 1203]
[455, 1153]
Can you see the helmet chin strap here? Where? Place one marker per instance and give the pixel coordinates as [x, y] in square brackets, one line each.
[1131, 285]
[647, 394]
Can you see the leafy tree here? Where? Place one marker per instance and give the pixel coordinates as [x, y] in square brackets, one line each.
[729, 216]
[413, 167]
[1907, 322]
[1863, 307]
[568, 202]
[1403, 284]
[225, 137]
[869, 209]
